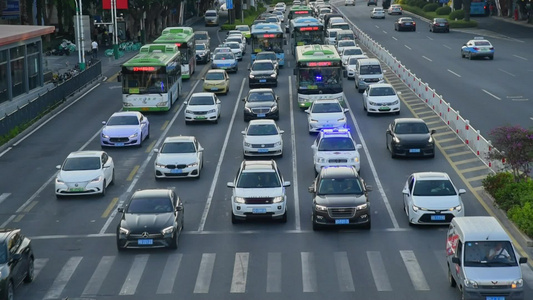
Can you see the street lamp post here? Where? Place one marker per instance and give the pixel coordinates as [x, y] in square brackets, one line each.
[81, 40]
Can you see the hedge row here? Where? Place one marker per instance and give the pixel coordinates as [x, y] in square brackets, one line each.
[249, 17]
[431, 10]
[515, 198]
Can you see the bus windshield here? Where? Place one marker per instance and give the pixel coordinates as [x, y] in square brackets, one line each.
[319, 79]
[308, 37]
[144, 83]
[267, 44]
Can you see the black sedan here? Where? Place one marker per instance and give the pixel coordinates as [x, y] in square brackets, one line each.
[150, 219]
[263, 73]
[410, 137]
[261, 104]
[16, 261]
[439, 24]
[405, 23]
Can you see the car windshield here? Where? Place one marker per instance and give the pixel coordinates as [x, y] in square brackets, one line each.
[214, 76]
[406, 20]
[352, 52]
[233, 45]
[3, 253]
[411, 128]
[262, 66]
[346, 43]
[382, 91]
[180, 147]
[339, 186]
[253, 180]
[242, 28]
[210, 14]
[370, 69]
[352, 60]
[202, 100]
[260, 97]
[336, 144]
[122, 120]
[200, 36]
[150, 206]
[234, 39]
[326, 108]
[272, 19]
[332, 34]
[437, 187]
[489, 254]
[82, 164]
[483, 43]
[224, 56]
[262, 129]
[200, 47]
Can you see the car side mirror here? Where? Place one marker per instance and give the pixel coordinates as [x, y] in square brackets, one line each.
[346, 110]
[286, 183]
[58, 167]
[307, 111]
[464, 44]
[522, 260]
[388, 131]
[368, 188]
[311, 189]
[456, 260]
[384, 71]
[203, 78]
[281, 132]
[277, 98]
[218, 102]
[462, 191]
[179, 208]
[243, 132]
[433, 131]
[243, 99]
[156, 150]
[405, 191]
[358, 146]
[249, 69]
[230, 184]
[200, 149]
[120, 209]
[104, 122]
[313, 146]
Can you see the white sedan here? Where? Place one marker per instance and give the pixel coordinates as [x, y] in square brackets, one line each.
[262, 138]
[349, 51]
[351, 61]
[179, 156]
[85, 173]
[202, 107]
[377, 13]
[381, 98]
[325, 114]
[431, 198]
[342, 44]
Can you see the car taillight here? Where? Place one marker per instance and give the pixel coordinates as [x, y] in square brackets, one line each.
[476, 48]
[414, 23]
[491, 48]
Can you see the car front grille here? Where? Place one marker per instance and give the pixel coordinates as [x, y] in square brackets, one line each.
[176, 166]
[341, 212]
[200, 112]
[153, 235]
[119, 140]
[261, 110]
[371, 79]
[258, 200]
[337, 160]
[262, 145]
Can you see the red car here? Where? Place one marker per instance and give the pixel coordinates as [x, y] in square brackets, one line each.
[439, 24]
[405, 23]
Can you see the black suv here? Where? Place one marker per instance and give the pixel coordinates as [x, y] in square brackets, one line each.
[340, 198]
[261, 104]
[263, 73]
[16, 261]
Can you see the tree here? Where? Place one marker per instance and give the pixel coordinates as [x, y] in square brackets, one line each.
[466, 5]
[515, 146]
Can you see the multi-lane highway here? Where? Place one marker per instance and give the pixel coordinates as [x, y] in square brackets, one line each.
[74, 238]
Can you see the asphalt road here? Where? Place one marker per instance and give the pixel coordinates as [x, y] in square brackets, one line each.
[74, 238]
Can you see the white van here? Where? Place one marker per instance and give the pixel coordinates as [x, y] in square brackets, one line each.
[345, 35]
[482, 261]
[331, 36]
[367, 71]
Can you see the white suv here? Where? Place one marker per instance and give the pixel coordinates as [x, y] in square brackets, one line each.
[258, 191]
[335, 147]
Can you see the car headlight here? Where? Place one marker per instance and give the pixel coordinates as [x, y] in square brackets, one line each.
[274, 108]
[457, 208]
[396, 140]
[430, 140]
[252, 76]
[105, 136]
[246, 144]
[313, 121]
[372, 103]
[238, 199]
[354, 159]
[470, 283]
[123, 230]
[416, 208]
[159, 165]
[362, 206]
[381, 80]
[341, 120]
[517, 283]
[134, 135]
[247, 109]
[320, 160]
[278, 199]
[97, 179]
[273, 75]
[188, 111]
[58, 180]
[277, 143]
[320, 208]
[395, 102]
[167, 230]
[194, 164]
[211, 111]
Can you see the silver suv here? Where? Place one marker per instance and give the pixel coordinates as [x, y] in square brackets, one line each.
[211, 17]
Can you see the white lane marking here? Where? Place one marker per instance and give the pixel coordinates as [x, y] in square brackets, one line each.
[487, 92]
[4, 225]
[373, 169]
[168, 277]
[454, 73]
[5, 151]
[381, 279]
[98, 277]
[140, 171]
[395, 38]
[520, 57]
[38, 266]
[508, 73]
[344, 273]
[430, 38]
[426, 58]
[62, 279]
[134, 275]
[203, 280]
[407, 47]
[240, 272]
[308, 272]
[527, 275]
[446, 46]
[414, 270]
[274, 272]
[385, 32]
[294, 162]
[4, 197]
[219, 164]
[376, 26]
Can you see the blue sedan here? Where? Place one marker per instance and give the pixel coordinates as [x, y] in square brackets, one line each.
[478, 47]
[127, 128]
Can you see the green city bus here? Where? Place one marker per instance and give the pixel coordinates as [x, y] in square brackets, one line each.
[183, 37]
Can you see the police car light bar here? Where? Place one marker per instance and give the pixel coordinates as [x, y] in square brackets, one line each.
[479, 38]
[335, 130]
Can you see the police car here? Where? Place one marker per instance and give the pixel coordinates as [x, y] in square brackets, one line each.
[478, 47]
[225, 61]
[335, 147]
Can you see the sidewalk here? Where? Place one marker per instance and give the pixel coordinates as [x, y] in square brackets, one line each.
[523, 23]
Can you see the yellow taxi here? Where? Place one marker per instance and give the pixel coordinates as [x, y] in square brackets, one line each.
[216, 81]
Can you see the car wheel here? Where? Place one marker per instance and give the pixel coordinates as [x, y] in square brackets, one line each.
[234, 219]
[450, 278]
[10, 293]
[102, 194]
[140, 141]
[112, 178]
[174, 242]
[120, 248]
[491, 57]
[283, 218]
[30, 272]
[469, 56]
[316, 227]
[368, 225]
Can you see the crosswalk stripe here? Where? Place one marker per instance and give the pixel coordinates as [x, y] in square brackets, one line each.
[344, 273]
[63, 277]
[381, 279]
[240, 270]
[527, 275]
[414, 270]
[134, 275]
[98, 277]
[203, 280]
[38, 265]
[308, 272]
[274, 272]
[169, 274]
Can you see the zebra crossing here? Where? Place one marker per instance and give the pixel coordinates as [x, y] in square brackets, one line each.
[244, 266]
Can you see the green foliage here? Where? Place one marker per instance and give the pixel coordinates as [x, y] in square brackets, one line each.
[249, 17]
[457, 14]
[443, 11]
[493, 183]
[462, 24]
[522, 216]
[433, 14]
[430, 7]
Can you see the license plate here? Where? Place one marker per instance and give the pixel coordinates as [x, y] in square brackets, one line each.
[384, 108]
[214, 89]
[442, 25]
[262, 80]
[407, 23]
[144, 108]
[259, 210]
[176, 171]
[199, 118]
[342, 221]
[414, 150]
[261, 115]
[262, 150]
[119, 144]
[494, 298]
[76, 189]
[438, 218]
[145, 242]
